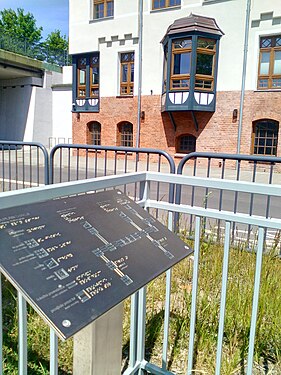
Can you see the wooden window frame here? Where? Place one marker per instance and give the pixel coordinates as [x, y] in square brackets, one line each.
[81, 68]
[167, 5]
[106, 9]
[94, 135]
[125, 138]
[270, 77]
[180, 77]
[255, 136]
[89, 87]
[127, 88]
[202, 77]
[94, 86]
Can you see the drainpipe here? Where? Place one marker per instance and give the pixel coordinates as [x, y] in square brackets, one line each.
[246, 39]
[140, 21]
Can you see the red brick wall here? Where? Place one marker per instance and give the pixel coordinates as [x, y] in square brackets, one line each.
[217, 131]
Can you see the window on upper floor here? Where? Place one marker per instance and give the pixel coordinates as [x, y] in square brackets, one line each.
[205, 58]
[94, 133]
[103, 8]
[265, 137]
[269, 76]
[87, 76]
[127, 73]
[159, 4]
[125, 134]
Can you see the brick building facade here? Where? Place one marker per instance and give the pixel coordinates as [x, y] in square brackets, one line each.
[174, 67]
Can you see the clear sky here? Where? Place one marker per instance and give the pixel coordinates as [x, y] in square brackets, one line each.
[50, 14]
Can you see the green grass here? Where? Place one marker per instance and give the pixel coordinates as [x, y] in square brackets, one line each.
[237, 322]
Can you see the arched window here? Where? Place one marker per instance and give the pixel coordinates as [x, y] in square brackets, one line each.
[94, 133]
[125, 134]
[186, 143]
[265, 137]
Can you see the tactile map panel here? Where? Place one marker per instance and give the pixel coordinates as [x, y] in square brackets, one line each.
[74, 258]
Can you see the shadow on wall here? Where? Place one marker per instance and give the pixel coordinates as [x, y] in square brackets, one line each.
[184, 124]
[14, 107]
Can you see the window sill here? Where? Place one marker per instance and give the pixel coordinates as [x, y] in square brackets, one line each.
[180, 155]
[176, 7]
[94, 20]
[124, 96]
[123, 152]
[268, 90]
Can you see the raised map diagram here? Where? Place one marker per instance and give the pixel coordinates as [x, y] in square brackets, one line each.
[74, 258]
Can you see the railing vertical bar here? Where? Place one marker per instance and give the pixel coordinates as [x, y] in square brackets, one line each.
[30, 167]
[147, 161]
[267, 210]
[251, 201]
[38, 165]
[167, 306]
[1, 327]
[238, 164]
[9, 169]
[220, 200]
[53, 353]
[77, 163]
[133, 330]
[194, 295]
[115, 162]
[141, 325]
[255, 303]
[223, 296]
[3, 169]
[68, 164]
[192, 197]
[61, 165]
[96, 163]
[22, 335]
[105, 163]
[87, 163]
[16, 165]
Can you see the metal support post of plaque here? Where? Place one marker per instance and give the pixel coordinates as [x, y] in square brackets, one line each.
[84, 255]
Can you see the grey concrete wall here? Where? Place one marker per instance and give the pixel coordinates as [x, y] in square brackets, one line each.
[14, 106]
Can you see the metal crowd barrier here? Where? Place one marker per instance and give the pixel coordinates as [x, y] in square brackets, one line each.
[23, 164]
[249, 168]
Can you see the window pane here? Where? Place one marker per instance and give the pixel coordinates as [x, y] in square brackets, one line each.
[82, 77]
[95, 76]
[264, 66]
[174, 2]
[206, 43]
[99, 11]
[277, 63]
[110, 9]
[124, 77]
[204, 64]
[182, 63]
[132, 72]
[182, 43]
[265, 42]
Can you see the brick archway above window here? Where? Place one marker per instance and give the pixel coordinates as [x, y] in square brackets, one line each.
[265, 137]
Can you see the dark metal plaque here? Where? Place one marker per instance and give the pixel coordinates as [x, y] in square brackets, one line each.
[74, 258]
